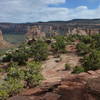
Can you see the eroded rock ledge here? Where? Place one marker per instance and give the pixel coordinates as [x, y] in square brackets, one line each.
[85, 86]
[3, 43]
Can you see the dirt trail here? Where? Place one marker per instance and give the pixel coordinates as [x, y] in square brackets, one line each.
[54, 71]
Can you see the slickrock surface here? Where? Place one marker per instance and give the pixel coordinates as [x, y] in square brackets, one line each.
[84, 86]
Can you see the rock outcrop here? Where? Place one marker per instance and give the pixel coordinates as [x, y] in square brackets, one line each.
[42, 30]
[3, 43]
[1, 37]
[85, 86]
[35, 32]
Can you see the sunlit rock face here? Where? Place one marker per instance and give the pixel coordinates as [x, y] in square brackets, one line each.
[3, 43]
[82, 27]
[54, 30]
[1, 36]
[35, 32]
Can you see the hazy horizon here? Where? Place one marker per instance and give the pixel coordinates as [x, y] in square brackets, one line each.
[50, 21]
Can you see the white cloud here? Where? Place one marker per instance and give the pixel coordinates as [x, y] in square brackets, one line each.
[82, 8]
[38, 10]
[54, 1]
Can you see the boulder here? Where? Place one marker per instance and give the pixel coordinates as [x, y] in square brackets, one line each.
[20, 98]
[93, 86]
[76, 87]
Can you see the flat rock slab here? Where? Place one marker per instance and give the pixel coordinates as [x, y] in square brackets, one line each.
[93, 86]
[20, 98]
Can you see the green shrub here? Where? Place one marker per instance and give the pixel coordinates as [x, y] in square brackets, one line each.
[92, 61]
[59, 45]
[67, 67]
[9, 88]
[7, 57]
[2, 70]
[39, 51]
[83, 48]
[86, 39]
[3, 94]
[78, 69]
[34, 66]
[96, 41]
[13, 86]
[15, 73]
[33, 79]
[20, 56]
[33, 75]
[13, 64]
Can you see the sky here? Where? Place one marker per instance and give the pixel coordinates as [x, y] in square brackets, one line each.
[20, 11]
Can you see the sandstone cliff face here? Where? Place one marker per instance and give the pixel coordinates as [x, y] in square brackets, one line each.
[57, 27]
[1, 37]
[3, 43]
[35, 32]
[54, 30]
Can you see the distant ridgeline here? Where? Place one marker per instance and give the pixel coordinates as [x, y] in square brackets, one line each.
[78, 26]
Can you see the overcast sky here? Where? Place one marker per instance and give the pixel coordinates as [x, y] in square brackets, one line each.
[47, 10]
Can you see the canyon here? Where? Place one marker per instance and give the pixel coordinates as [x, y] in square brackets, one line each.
[59, 84]
[80, 26]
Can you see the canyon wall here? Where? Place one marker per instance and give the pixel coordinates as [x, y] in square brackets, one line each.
[78, 26]
[1, 36]
[54, 30]
[63, 30]
[3, 43]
